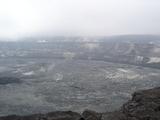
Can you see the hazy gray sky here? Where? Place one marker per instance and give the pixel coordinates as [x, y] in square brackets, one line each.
[79, 17]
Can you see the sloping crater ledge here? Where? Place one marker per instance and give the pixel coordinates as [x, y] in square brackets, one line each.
[144, 105]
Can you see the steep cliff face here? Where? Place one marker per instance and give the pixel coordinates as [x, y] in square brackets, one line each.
[144, 105]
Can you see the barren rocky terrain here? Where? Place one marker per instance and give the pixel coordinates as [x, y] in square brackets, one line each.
[40, 76]
[144, 105]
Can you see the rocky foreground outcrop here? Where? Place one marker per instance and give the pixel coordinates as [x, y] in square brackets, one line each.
[144, 105]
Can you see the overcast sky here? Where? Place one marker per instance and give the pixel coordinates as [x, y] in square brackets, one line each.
[78, 17]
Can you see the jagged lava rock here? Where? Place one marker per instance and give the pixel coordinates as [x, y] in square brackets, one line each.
[144, 105]
[91, 115]
[59, 115]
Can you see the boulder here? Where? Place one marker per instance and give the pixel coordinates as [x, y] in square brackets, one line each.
[91, 115]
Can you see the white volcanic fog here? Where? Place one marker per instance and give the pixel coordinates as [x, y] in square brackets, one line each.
[19, 18]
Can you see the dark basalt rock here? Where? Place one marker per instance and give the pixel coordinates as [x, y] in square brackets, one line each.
[9, 80]
[59, 115]
[91, 115]
[117, 115]
[144, 105]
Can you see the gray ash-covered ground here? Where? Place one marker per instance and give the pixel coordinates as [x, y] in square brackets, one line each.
[51, 84]
[75, 73]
